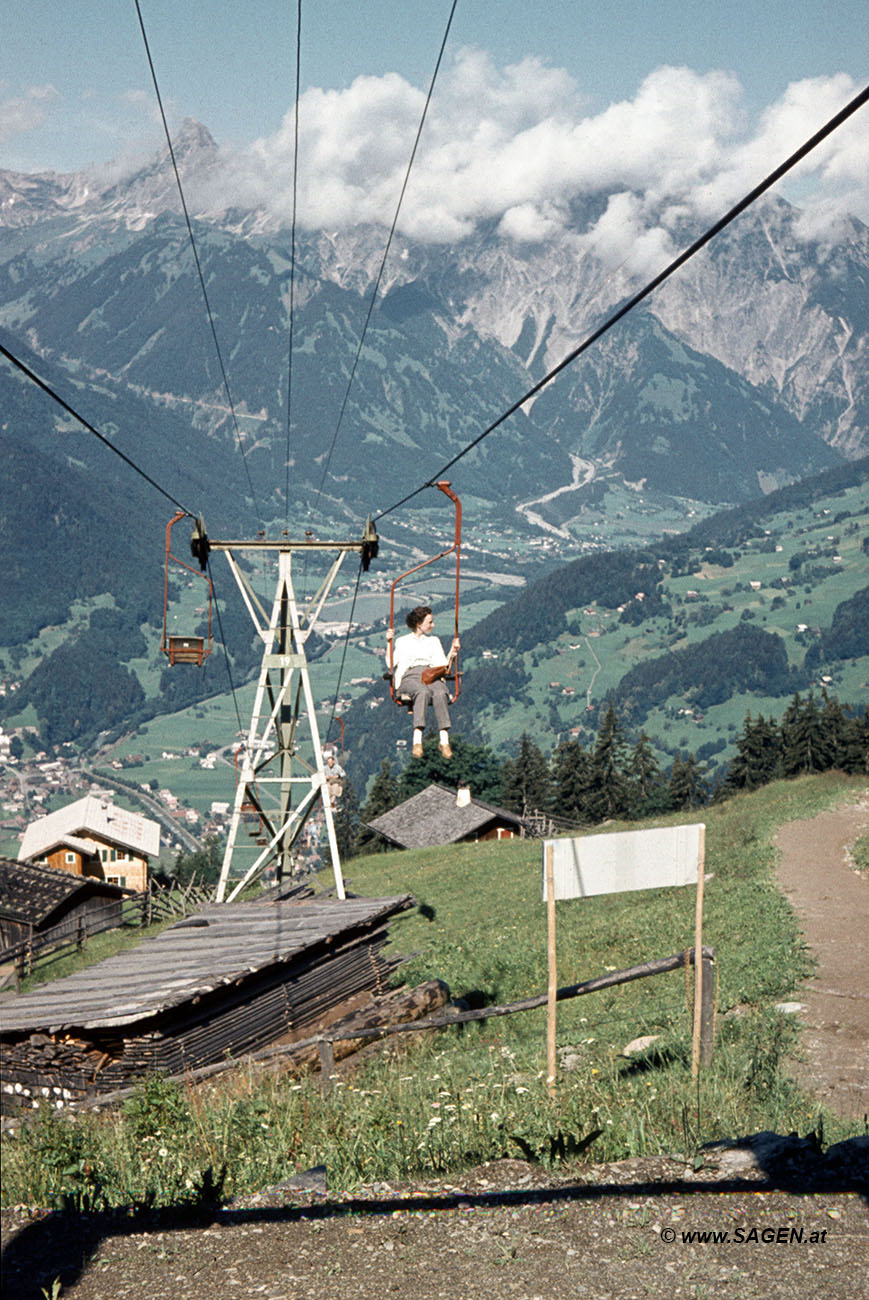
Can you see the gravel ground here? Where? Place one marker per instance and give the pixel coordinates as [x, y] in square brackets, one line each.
[831, 900]
[789, 1221]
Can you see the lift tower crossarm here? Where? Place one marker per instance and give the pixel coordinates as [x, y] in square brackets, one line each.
[284, 544]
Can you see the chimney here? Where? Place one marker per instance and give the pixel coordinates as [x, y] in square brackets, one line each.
[463, 796]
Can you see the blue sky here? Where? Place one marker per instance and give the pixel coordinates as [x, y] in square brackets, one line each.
[756, 78]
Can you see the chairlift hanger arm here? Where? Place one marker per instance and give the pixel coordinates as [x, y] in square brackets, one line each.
[201, 544]
[443, 485]
[184, 649]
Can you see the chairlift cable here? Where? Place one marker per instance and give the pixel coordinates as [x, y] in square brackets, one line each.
[226, 656]
[46, 388]
[832, 125]
[390, 237]
[369, 313]
[343, 657]
[196, 260]
[293, 255]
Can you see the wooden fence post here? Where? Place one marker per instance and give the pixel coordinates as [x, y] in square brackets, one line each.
[707, 1009]
[327, 1065]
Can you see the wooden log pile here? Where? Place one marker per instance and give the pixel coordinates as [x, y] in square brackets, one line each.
[273, 1000]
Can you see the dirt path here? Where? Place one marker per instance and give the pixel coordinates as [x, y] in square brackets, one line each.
[831, 901]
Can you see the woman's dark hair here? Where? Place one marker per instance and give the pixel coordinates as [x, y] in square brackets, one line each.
[416, 616]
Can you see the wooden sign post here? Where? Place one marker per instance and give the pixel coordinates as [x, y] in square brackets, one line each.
[613, 864]
[553, 974]
[698, 955]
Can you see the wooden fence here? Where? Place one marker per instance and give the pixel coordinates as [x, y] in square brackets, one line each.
[354, 1035]
[146, 908]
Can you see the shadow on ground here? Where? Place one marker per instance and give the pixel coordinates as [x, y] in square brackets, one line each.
[61, 1245]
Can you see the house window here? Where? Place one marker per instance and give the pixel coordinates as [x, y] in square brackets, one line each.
[69, 859]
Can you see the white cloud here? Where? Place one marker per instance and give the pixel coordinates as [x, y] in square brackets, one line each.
[514, 146]
[625, 236]
[526, 223]
[785, 125]
[25, 112]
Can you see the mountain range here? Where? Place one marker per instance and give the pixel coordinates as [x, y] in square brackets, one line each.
[743, 373]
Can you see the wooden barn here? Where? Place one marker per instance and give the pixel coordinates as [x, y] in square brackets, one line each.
[440, 816]
[228, 980]
[36, 898]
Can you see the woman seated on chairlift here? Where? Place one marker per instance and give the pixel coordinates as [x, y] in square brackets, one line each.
[419, 665]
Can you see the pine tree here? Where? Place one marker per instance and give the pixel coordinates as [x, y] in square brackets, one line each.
[833, 723]
[758, 755]
[346, 818]
[805, 748]
[609, 788]
[526, 785]
[383, 796]
[687, 787]
[855, 744]
[204, 864]
[571, 768]
[649, 793]
[472, 765]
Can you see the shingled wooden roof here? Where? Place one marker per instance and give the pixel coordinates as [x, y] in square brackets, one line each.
[434, 817]
[220, 945]
[91, 816]
[31, 892]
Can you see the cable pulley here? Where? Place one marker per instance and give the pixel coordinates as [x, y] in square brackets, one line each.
[370, 544]
[199, 543]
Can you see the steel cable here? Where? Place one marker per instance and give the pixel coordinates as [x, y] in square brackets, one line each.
[390, 237]
[46, 388]
[293, 257]
[856, 103]
[196, 260]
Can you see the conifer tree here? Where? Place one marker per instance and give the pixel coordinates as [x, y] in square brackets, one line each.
[346, 819]
[805, 747]
[833, 723]
[526, 785]
[472, 765]
[204, 864]
[649, 794]
[571, 768]
[384, 795]
[855, 744]
[609, 788]
[758, 755]
[687, 787]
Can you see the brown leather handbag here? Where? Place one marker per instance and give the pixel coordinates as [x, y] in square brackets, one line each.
[429, 675]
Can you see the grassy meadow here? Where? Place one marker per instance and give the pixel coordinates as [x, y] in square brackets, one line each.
[425, 1106]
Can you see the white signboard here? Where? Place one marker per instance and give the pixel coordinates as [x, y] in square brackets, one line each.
[613, 864]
